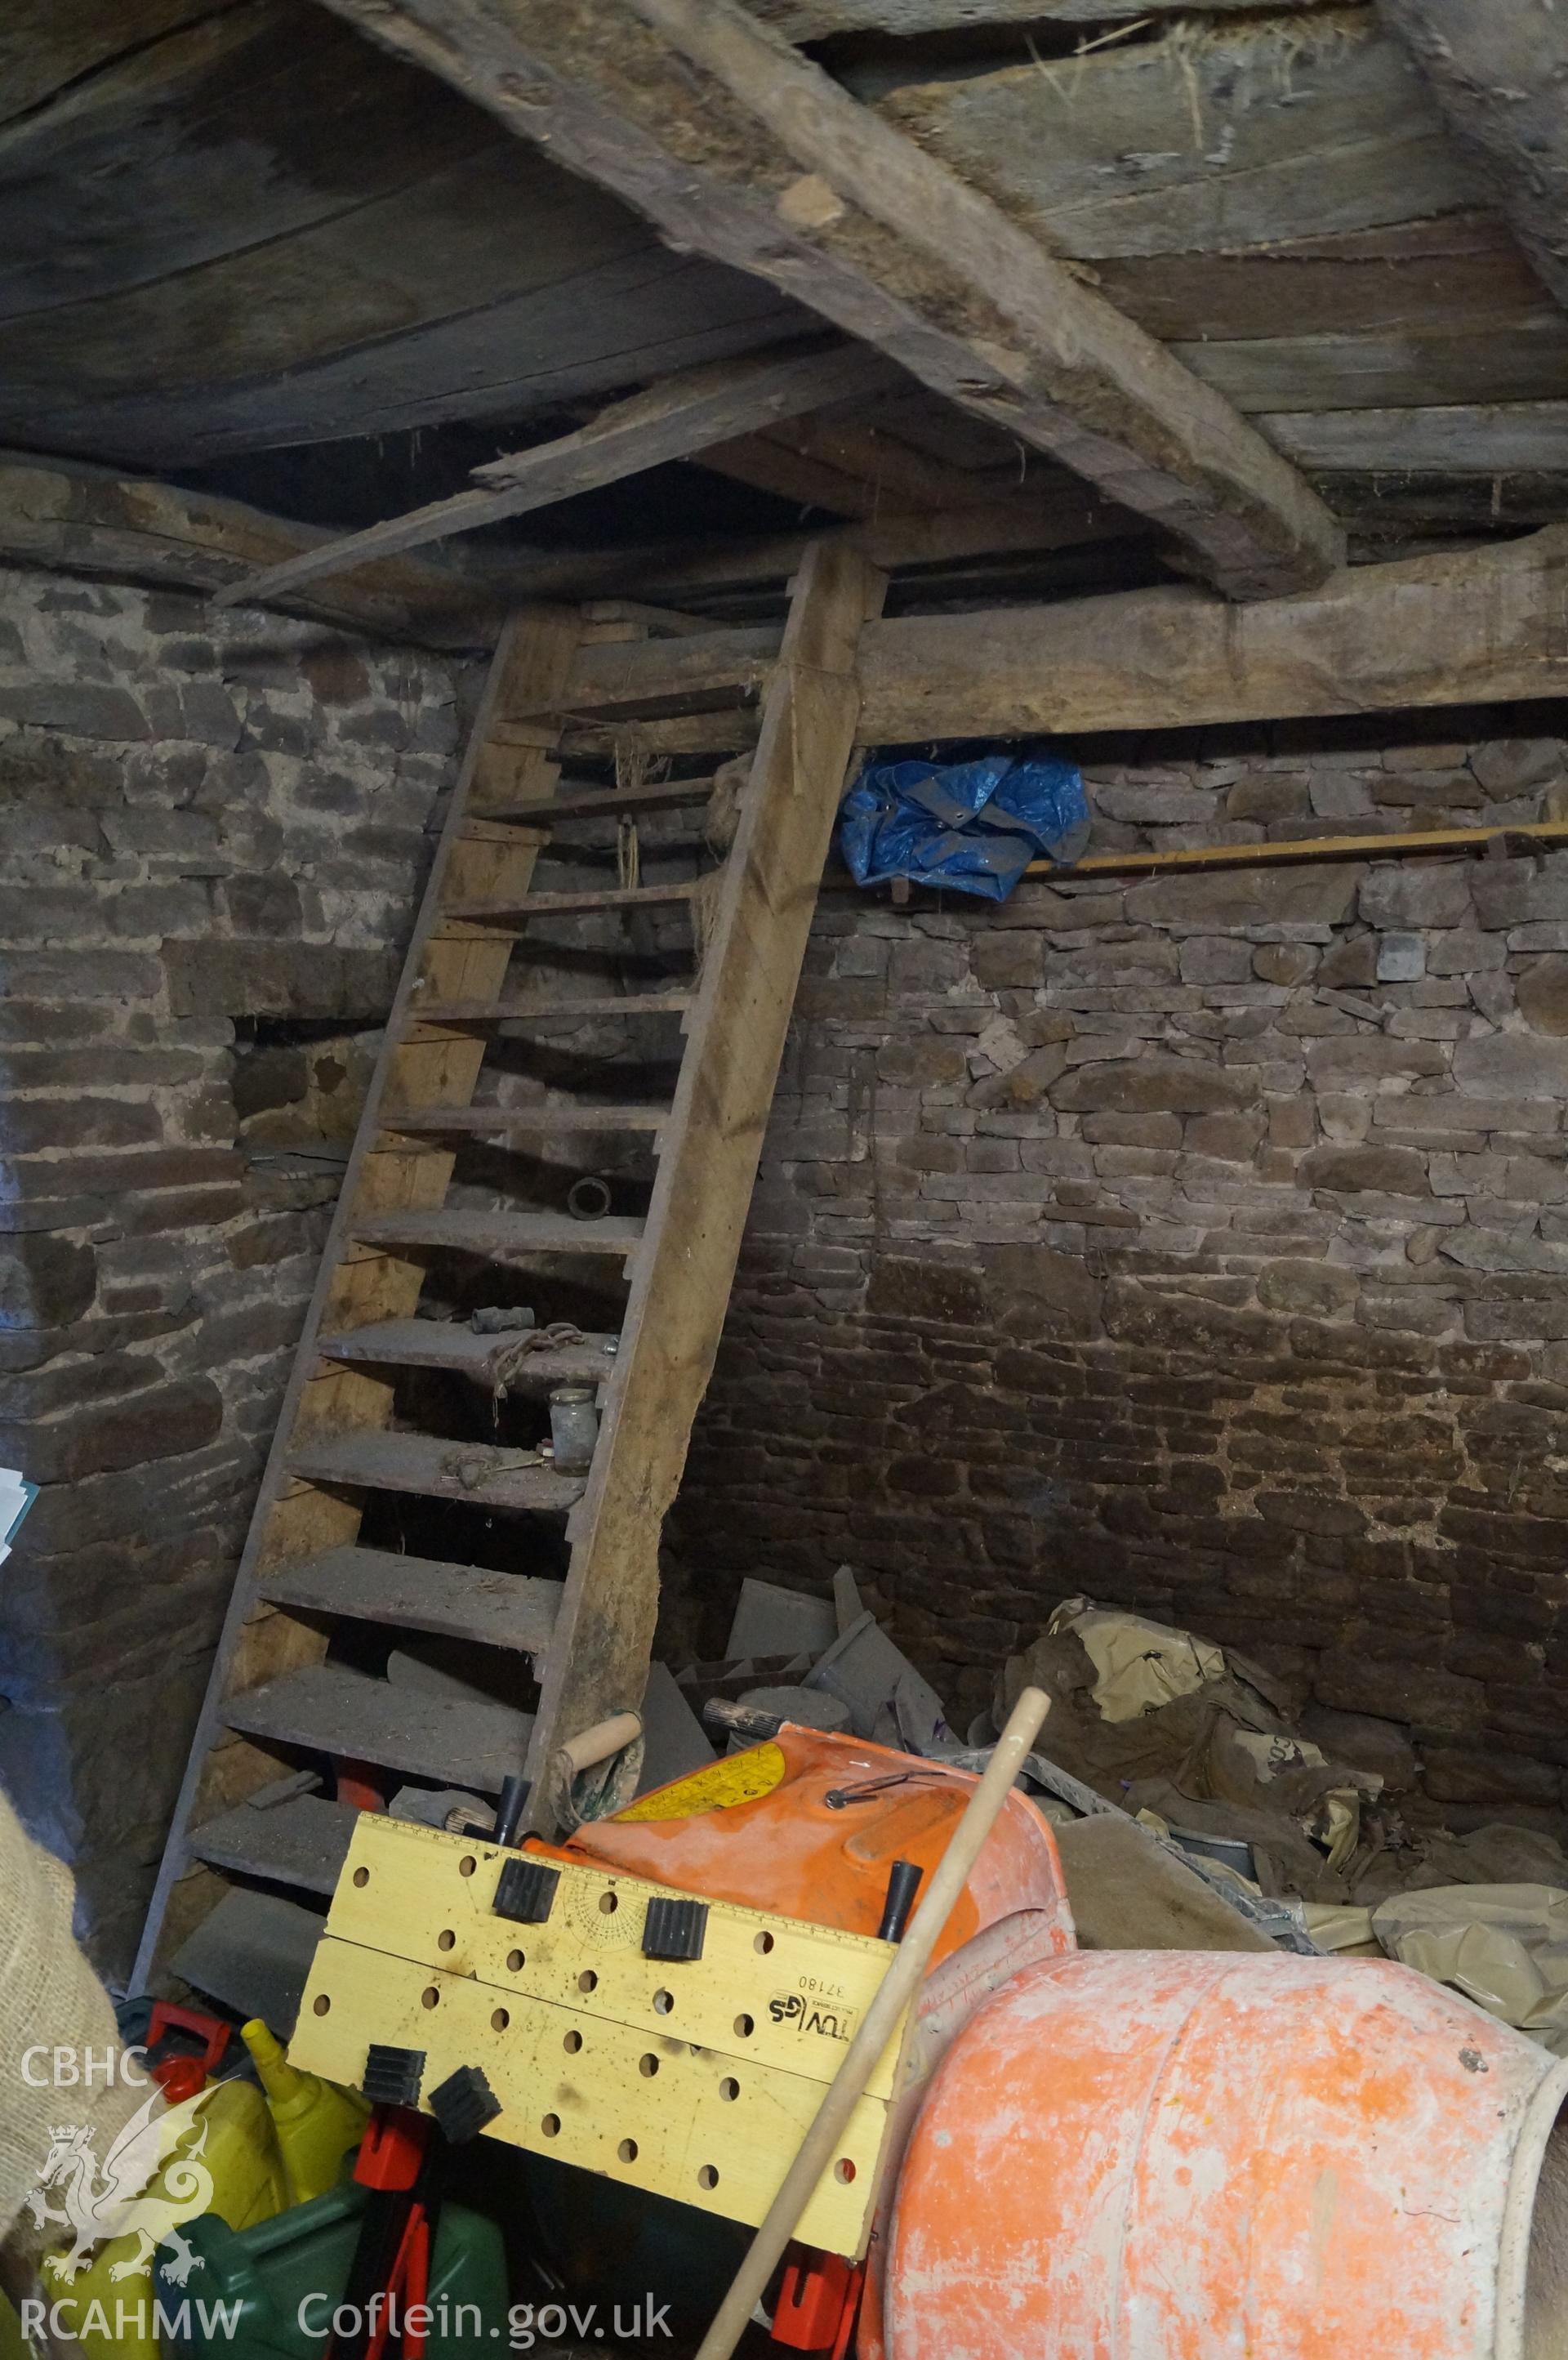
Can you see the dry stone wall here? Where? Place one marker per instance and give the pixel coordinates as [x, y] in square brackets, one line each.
[213, 831]
[1200, 1241]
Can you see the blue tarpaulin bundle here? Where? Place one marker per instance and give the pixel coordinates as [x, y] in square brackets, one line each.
[974, 825]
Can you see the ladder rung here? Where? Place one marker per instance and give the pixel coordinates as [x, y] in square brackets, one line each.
[543, 1121]
[550, 905]
[446, 1344]
[477, 1471]
[331, 1710]
[416, 1593]
[303, 1842]
[253, 1954]
[503, 1011]
[608, 803]
[502, 1233]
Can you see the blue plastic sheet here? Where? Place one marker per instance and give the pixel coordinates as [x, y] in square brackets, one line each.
[974, 826]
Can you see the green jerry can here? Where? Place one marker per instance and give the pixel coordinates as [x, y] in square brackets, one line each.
[269, 2292]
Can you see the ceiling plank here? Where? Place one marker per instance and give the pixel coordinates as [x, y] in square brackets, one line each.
[896, 475]
[849, 467]
[669, 422]
[1497, 68]
[88, 520]
[739, 149]
[47, 46]
[1280, 128]
[1485, 439]
[1064, 517]
[813, 21]
[1422, 278]
[1497, 361]
[769, 465]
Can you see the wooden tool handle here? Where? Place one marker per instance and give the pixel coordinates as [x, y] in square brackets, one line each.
[592, 1746]
[897, 1988]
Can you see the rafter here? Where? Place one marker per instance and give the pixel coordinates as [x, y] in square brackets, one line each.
[737, 147]
[670, 421]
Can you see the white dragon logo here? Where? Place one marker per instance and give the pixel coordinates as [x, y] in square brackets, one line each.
[114, 2199]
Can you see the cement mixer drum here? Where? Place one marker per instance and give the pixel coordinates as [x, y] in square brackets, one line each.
[1171, 2156]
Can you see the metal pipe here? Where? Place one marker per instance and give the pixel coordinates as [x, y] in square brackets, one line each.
[588, 1199]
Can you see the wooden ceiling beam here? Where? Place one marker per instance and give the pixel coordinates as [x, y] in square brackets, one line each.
[737, 147]
[1499, 70]
[670, 420]
[1479, 627]
[70, 517]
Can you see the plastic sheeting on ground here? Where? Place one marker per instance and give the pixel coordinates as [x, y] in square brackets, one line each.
[1141, 1664]
[974, 825]
[1196, 1741]
[1504, 1946]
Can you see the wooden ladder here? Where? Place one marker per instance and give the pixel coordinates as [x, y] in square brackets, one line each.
[298, 1687]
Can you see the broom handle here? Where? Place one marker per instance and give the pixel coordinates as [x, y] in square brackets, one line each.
[897, 1988]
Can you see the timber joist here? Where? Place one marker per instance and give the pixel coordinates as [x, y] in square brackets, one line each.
[1464, 626]
[411, 1432]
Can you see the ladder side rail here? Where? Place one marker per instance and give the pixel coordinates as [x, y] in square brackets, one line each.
[680, 1285]
[291, 1517]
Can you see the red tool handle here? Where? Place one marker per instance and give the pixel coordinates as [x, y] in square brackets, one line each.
[393, 2147]
[183, 2077]
[212, 2030]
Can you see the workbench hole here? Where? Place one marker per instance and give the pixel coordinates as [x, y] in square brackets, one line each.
[707, 2177]
[587, 1981]
[430, 1996]
[322, 2004]
[729, 2087]
[745, 2027]
[550, 2125]
[500, 2020]
[663, 2002]
[446, 1939]
[647, 2067]
[572, 2043]
[763, 1942]
[843, 2171]
[362, 1878]
[608, 1904]
[627, 2150]
[516, 1961]
[467, 1865]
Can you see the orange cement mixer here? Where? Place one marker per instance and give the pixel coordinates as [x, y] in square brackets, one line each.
[1149, 2154]
[1084, 2155]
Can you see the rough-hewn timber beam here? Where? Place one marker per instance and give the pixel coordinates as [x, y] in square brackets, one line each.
[1481, 627]
[669, 421]
[739, 149]
[79, 519]
[1499, 69]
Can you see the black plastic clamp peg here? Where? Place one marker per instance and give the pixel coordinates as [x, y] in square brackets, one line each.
[392, 2076]
[525, 1891]
[463, 2104]
[674, 1929]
